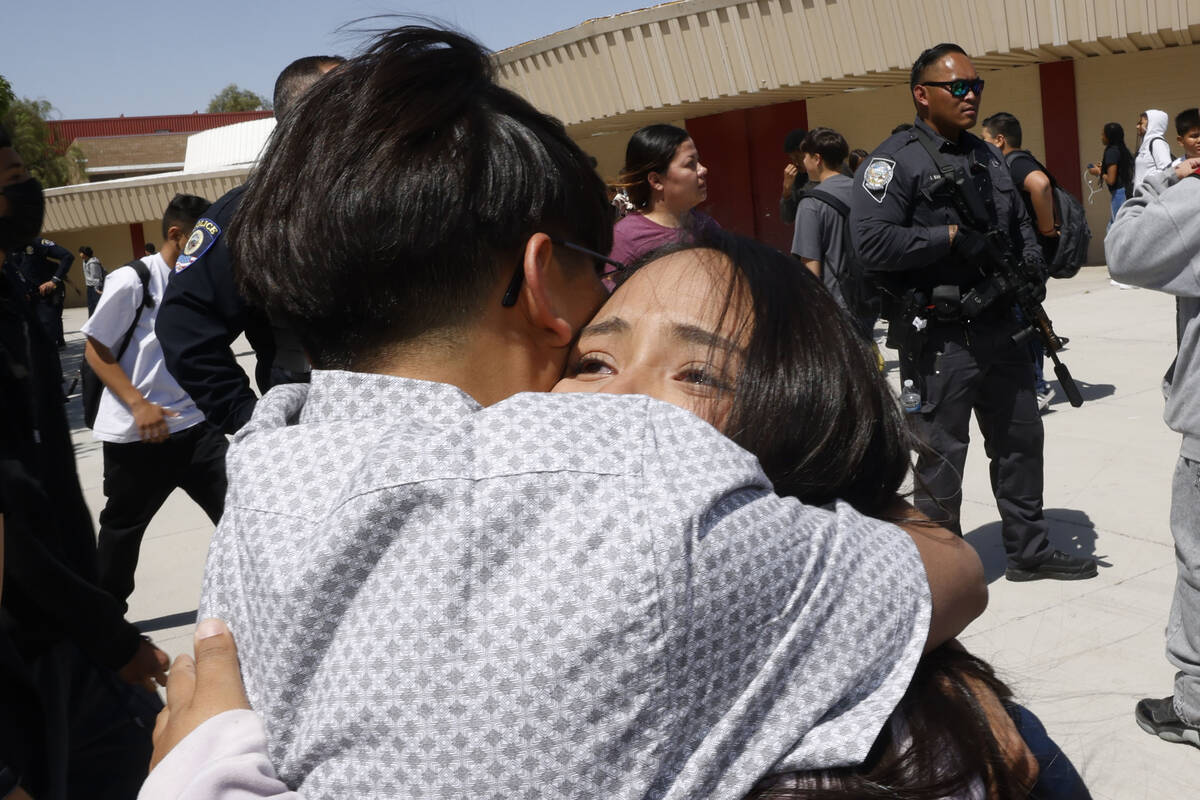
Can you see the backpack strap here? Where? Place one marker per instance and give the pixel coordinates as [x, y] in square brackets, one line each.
[843, 210]
[1150, 150]
[143, 273]
[828, 199]
[1015, 154]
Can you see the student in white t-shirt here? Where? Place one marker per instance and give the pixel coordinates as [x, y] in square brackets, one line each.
[155, 438]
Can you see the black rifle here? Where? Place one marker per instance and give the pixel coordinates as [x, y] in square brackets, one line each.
[1005, 275]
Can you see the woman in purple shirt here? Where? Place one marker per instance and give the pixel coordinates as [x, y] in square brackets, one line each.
[661, 184]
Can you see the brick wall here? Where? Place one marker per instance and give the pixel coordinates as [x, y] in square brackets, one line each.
[114, 151]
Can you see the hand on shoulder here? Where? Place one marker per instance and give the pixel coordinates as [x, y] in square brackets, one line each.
[1187, 167]
[200, 688]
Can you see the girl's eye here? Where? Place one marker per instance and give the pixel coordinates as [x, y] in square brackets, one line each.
[703, 376]
[592, 365]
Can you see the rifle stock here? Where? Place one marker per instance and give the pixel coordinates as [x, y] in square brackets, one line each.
[1045, 330]
[1030, 291]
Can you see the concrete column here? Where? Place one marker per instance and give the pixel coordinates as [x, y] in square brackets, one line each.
[137, 240]
[1060, 124]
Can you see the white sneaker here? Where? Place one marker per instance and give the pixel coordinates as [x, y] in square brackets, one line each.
[1044, 398]
[1120, 285]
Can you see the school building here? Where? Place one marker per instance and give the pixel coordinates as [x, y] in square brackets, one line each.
[740, 75]
[116, 217]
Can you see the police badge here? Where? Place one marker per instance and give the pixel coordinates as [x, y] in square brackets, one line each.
[202, 238]
[877, 176]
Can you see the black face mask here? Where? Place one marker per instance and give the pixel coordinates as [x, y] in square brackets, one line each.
[25, 209]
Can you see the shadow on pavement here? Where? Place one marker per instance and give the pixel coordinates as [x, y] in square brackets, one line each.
[1071, 531]
[165, 622]
[1088, 391]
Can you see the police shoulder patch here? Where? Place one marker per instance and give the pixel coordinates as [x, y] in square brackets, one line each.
[203, 235]
[877, 176]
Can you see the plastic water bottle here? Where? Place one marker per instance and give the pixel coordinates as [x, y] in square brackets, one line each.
[910, 400]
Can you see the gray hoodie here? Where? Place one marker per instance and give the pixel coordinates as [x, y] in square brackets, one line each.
[1153, 153]
[93, 273]
[1155, 243]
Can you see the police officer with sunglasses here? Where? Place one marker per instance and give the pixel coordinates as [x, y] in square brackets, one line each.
[922, 208]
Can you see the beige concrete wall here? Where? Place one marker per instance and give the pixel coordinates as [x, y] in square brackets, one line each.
[1117, 89]
[111, 245]
[866, 118]
[609, 148]
[609, 151]
[152, 232]
[1019, 92]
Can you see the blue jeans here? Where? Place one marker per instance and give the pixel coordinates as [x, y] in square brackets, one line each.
[1057, 777]
[93, 299]
[1183, 626]
[1118, 200]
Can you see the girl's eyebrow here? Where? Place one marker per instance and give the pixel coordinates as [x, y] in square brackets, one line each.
[693, 334]
[605, 327]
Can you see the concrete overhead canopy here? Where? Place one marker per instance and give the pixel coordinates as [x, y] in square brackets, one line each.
[707, 56]
[217, 160]
[129, 200]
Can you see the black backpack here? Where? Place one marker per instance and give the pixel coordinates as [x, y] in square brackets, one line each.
[1074, 235]
[92, 388]
[858, 290]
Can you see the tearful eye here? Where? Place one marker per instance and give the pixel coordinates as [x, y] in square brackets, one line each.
[703, 376]
[591, 365]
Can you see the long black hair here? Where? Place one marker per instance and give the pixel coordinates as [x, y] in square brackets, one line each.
[810, 400]
[811, 403]
[650, 149]
[1115, 135]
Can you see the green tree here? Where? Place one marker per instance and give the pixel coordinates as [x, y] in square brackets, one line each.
[52, 163]
[234, 98]
[6, 96]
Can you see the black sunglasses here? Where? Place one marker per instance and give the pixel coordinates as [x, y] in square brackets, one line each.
[603, 262]
[959, 88]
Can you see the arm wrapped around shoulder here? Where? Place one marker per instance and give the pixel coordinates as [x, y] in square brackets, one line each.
[1154, 242]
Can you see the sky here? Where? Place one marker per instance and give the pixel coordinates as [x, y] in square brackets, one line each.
[105, 58]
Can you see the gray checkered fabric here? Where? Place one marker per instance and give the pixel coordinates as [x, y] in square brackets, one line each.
[567, 596]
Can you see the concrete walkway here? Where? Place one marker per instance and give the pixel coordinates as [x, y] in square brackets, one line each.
[1079, 654]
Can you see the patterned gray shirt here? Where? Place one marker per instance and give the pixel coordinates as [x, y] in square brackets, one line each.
[560, 595]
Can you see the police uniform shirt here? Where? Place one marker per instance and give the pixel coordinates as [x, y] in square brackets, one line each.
[202, 313]
[40, 261]
[896, 227]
